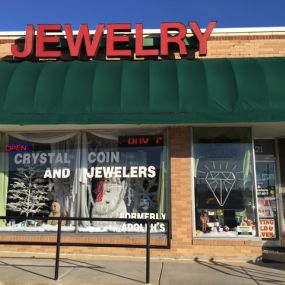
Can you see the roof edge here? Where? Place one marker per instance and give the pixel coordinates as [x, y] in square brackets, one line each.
[216, 31]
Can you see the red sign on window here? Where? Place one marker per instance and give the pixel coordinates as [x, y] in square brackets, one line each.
[141, 141]
[17, 148]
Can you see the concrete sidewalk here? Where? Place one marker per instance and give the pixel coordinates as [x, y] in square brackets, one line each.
[37, 270]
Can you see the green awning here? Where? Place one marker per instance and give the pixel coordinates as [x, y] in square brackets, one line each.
[143, 92]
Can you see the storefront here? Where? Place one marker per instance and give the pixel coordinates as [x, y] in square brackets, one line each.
[164, 135]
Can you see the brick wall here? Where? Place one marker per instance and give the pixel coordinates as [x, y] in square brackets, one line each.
[181, 201]
[246, 45]
[5, 48]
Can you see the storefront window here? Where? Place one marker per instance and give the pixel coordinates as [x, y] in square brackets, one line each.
[39, 179]
[109, 174]
[123, 177]
[224, 185]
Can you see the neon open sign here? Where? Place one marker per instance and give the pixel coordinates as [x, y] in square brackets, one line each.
[116, 34]
[17, 148]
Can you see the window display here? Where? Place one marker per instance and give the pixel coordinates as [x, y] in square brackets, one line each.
[224, 185]
[125, 179]
[41, 172]
[104, 174]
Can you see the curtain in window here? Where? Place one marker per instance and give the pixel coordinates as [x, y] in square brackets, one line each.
[85, 187]
[162, 199]
[247, 167]
[3, 177]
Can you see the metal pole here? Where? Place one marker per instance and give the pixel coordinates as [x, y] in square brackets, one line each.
[147, 251]
[57, 250]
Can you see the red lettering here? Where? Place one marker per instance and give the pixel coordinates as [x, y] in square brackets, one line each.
[16, 147]
[202, 37]
[266, 222]
[138, 141]
[144, 141]
[140, 51]
[42, 39]
[165, 38]
[112, 39]
[23, 148]
[7, 148]
[83, 36]
[116, 42]
[158, 140]
[30, 32]
[131, 141]
[267, 235]
[12, 148]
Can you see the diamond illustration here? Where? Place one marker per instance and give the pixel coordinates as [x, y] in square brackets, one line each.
[221, 184]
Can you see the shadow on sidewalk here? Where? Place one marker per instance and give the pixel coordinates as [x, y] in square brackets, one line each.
[88, 265]
[259, 272]
[32, 265]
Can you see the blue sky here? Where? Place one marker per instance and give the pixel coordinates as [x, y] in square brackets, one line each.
[228, 14]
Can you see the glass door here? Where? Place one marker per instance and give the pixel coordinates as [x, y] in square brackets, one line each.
[266, 199]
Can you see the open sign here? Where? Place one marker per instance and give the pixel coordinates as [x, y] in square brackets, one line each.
[17, 148]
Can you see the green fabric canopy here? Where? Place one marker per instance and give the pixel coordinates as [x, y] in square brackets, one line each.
[143, 92]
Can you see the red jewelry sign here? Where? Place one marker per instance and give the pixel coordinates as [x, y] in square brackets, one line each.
[114, 36]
